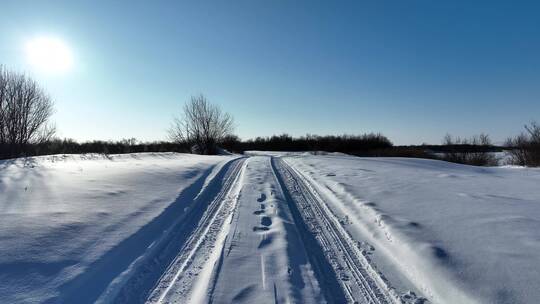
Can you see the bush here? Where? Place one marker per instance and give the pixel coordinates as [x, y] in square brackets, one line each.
[231, 143]
[524, 149]
[475, 151]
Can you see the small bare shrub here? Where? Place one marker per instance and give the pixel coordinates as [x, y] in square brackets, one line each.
[471, 151]
[524, 149]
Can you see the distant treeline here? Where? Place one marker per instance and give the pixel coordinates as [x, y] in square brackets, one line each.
[350, 144]
[367, 145]
[476, 150]
[371, 144]
[430, 151]
[70, 146]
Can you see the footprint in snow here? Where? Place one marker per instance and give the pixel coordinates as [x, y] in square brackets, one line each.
[411, 298]
[414, 225]
[262, 198]
[266, 221]
[440, 254]
[267, 240]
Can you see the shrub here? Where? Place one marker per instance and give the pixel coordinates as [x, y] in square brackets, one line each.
[474, 151]
[524, 149]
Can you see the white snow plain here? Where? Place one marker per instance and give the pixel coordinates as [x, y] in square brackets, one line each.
[71, 226]
[457, 233]
[286, 227]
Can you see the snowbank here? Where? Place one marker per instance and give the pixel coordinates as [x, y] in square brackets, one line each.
[457, 233]
[71, 224]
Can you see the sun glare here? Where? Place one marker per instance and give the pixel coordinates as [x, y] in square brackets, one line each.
[49, 54]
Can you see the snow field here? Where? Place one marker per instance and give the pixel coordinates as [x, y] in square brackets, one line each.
[268, 228]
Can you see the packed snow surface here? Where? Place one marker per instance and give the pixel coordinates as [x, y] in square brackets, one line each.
[266, 228]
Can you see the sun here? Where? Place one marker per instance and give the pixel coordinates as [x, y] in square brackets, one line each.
[49, 54]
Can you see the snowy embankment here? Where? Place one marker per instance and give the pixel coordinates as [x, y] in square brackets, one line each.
[455, 233]
[71, 227]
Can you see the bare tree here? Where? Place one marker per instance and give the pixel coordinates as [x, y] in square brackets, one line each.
[25, 112]
[203, 126]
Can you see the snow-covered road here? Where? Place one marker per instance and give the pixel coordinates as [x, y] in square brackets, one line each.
[268, 238]
[268, 228]
[263, 259]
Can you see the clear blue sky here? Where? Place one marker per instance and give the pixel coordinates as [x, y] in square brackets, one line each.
[413, 70]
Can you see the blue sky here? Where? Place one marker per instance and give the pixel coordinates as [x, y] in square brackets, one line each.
[413, 70]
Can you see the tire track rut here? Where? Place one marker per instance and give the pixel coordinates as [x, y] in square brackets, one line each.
[358, 279]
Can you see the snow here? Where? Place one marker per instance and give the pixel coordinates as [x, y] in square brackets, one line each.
[265, 228]
[71, 224]
[264, 260]
[457, 233]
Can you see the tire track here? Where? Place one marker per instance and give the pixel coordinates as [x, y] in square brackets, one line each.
[360, 282]
[177, 282]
